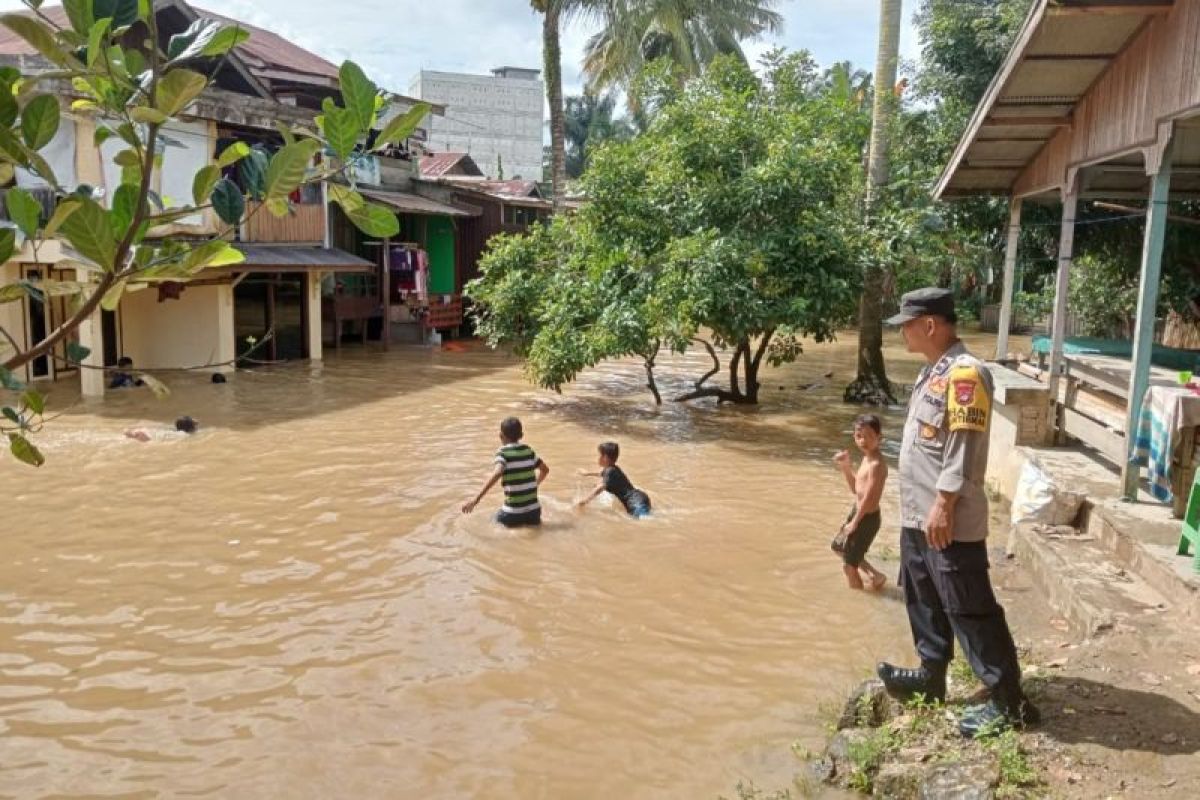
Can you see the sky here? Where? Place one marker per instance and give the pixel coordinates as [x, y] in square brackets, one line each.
[394, 39]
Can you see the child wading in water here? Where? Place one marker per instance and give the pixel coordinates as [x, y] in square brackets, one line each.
[520, 472]
[613, 480]
[856, 536]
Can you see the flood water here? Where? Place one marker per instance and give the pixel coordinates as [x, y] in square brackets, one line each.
[290, 604]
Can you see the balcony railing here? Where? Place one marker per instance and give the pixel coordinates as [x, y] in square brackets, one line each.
[305, 223]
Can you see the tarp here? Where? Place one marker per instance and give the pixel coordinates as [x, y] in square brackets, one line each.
[1166, 357]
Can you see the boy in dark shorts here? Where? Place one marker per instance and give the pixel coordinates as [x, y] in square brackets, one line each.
[613, 480]
[856, 536]
[519, 470]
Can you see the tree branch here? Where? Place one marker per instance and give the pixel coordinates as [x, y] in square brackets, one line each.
[716, 362]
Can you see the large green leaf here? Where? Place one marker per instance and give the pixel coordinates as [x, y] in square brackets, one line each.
[8, 244]
[177, 89]
[340, 128]
[148, 115]
[345, 197]
[64, 209]
[25, 451]
[39, 121]
[10, 381]
[41, 38]
[76, 352]
[90, 231]
[402, 126]
[206, 38]
[97, 41]
[217, 253]
[124, 206]
[24, 210]
[8, 105]
[204, 182]
[375, 220]
[34, 401]
[12, 292]
[122, 12]
[288, 167]
[79, 12]
[358, 95]
[112, 298]
[228, 202]
[233, 154]
[254, 172]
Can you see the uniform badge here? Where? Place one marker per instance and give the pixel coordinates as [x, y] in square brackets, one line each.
[968, 404]
[937, 384]
[928, 432]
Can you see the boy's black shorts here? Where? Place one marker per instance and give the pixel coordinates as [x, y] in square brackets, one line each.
[522, 520]
[854, 548]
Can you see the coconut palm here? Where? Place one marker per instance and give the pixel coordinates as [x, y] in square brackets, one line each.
[690, 33]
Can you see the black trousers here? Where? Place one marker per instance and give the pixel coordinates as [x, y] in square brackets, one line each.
[949, 594]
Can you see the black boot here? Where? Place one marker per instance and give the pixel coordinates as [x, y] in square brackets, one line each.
[1008, 708]
[904, 684]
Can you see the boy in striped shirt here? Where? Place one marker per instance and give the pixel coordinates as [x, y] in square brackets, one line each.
[520, 472]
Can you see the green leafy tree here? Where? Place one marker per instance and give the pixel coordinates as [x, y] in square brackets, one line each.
[725, 223]
[133, 84]
[590, 122]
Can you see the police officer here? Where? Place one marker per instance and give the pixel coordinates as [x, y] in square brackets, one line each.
[944, 510]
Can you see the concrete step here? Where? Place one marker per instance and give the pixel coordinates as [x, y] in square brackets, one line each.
[1079, 577]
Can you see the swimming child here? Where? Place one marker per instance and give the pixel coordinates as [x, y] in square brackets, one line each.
[515, 468]
[862, 524]
[613, 480]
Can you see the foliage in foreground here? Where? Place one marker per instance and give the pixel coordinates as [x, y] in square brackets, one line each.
[731, 218]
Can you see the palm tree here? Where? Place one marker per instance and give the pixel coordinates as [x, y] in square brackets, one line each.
[691, 33]
[552, 12]
[872, 381]
[590, 122]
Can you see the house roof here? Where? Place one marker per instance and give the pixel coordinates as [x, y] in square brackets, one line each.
[1062, 50]
[407, 203]
[437, 165]
[293, 258]
[514, 189]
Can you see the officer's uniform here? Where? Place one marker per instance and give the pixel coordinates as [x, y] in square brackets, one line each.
[948, 592]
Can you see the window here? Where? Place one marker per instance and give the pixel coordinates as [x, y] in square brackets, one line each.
[520, 215]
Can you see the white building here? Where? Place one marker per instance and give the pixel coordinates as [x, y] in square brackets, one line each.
[498, 119]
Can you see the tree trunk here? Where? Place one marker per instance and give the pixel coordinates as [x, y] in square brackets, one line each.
[552, 56]
[651, 384]
[743, 371]
[872, 384]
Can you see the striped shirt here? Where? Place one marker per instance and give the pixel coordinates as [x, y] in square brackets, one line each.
[520, 477]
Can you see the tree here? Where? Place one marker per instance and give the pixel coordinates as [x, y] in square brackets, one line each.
[872, 381]
[589, 124]
[688, 33]
[728, 219]
[133, 84]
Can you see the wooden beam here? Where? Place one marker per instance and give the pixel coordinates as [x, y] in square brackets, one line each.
[1017, 122]
[1134, 210]
[1010, 270]
[1143, 336]
[1105, 57]
[1116, 9]
[1066, 245]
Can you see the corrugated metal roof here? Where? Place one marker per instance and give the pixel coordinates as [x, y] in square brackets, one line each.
[1062, 49]
[292, 258]
[415, 204]
[436, 165]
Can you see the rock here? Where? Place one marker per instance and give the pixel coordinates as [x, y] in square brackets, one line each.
[899, 781]
[839, 746]
[822, 770]
[868, 706]
[1170, 738]
[971, 780]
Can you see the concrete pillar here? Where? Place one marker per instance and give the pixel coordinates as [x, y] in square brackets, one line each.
[226, 330]
[1010, 271]
[1066, 246]
[312, 291]
[92, 378]
[1143, 337]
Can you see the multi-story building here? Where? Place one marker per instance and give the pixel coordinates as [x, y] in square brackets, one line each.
[498, 119]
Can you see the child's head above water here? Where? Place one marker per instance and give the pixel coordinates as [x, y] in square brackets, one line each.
[511, 431]
[867, 432]
[609, 453]
[185, 425]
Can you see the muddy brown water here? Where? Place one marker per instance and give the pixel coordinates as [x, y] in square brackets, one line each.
[289, 603]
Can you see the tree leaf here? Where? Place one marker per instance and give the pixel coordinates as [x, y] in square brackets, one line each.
[76, 353]
[124, 206]
[278, 206]
[155, 385]
[64, 210]
[23, 450]
[375, 220]
[79, 12]
[24, 210]
[34, 401]
[39, 121]
[96, 41]
[216, 253]
[288, 167]
[340, 128]
[12, 416]
[9, 381]
[233, 154]
[12, 292]
[206, 38]
[228, 202]
[204, 181]
[346, 197]
[112, 298]
[8, 244]
[177, 89]
[254, 172]
[402, 126]
[148, 115]
[89, 229]
[358, 95]
[122, 12]
[8, 105]
[40, 37]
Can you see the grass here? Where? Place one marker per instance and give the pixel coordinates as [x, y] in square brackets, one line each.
[1016, 771]
[748, 791]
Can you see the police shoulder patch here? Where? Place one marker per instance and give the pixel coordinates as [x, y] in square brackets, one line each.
[967, 401]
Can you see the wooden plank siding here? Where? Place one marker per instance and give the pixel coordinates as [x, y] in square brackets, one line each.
[305, 224]
[1154, 80]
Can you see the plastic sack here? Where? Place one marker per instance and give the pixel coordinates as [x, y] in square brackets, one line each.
[1037, 499]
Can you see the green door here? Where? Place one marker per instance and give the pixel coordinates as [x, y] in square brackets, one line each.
[440, 244]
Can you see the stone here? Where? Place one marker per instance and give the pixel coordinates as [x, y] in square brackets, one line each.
[868, 706]
[839, 746]
[969, 780]
[822, 770]
[899, 781]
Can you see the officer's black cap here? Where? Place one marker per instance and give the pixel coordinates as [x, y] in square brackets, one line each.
[927, 302]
